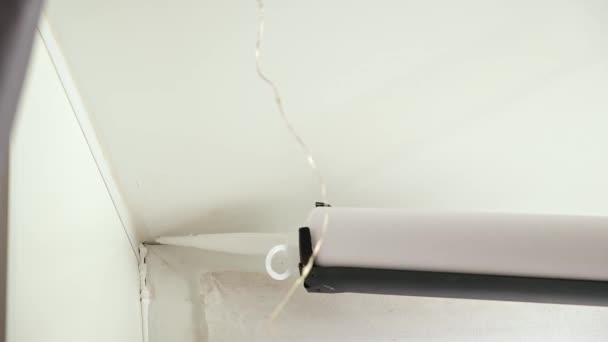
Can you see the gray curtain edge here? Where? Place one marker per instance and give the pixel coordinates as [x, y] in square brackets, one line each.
[18, 19]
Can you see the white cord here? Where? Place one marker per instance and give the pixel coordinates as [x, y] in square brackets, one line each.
[311, 161]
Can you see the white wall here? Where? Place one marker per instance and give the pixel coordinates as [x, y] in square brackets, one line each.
[72, 272]
[458, 105]
[469, 104]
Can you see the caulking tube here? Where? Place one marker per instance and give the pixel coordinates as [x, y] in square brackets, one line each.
[491, 256]
[548, 246]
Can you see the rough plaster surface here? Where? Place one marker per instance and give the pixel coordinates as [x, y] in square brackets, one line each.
[202, 296]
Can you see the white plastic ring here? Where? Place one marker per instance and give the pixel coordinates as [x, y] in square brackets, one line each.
[274, 251]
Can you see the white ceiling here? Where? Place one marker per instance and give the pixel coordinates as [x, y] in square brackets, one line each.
[495, 105]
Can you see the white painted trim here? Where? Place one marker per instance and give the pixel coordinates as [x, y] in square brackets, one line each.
[83, 118]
